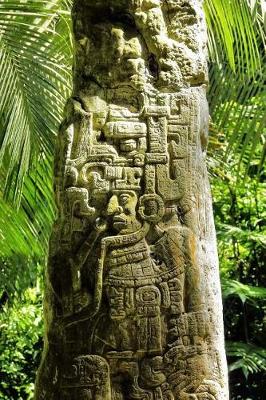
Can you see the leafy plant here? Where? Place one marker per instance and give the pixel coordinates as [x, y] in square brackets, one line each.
[240, 212]
[250, 359]
[35, 77]
[237, 95]
[35, 70]
[21, 330]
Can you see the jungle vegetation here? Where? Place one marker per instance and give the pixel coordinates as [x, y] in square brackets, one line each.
[35, 80]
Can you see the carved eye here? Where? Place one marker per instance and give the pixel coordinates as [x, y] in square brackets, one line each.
[124, 198]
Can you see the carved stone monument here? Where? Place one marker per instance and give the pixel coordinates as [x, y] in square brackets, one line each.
[132, 304]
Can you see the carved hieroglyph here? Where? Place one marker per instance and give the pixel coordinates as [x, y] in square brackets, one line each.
[132, 306]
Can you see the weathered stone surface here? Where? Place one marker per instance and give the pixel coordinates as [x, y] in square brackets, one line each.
[132, 304]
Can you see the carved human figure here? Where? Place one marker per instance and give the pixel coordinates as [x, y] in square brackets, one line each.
[130, 280]
[130, 324]
[150, 297]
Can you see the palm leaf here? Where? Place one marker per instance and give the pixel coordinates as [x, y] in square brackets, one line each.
[24, 233]
[237, 75]
[233, 34]
[35, 71]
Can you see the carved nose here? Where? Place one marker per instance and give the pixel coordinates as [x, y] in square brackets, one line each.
[113, 206]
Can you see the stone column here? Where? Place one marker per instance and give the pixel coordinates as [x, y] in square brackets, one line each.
[132, 304]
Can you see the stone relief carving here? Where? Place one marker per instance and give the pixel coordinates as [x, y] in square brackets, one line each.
[129, 313]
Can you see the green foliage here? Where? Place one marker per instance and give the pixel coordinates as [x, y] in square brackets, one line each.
[251, 359]
[244, 292]
[35, 73]
[237, 94]
[232, 28]
[21, 329]
[35, 70]
[239, 209]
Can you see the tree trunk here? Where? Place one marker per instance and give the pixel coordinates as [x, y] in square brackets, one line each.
[132, 304]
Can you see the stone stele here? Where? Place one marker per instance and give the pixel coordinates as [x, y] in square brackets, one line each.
[132, 303]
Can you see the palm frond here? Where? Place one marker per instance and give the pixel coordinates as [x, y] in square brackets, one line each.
[232, 28]
[237, 76]
[238, 112]
[36, 75]
[24, 233]
[35, 71]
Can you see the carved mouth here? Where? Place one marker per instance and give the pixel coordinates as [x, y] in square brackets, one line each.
[118, 220]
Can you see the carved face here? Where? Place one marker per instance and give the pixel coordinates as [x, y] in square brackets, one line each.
[122, 208]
